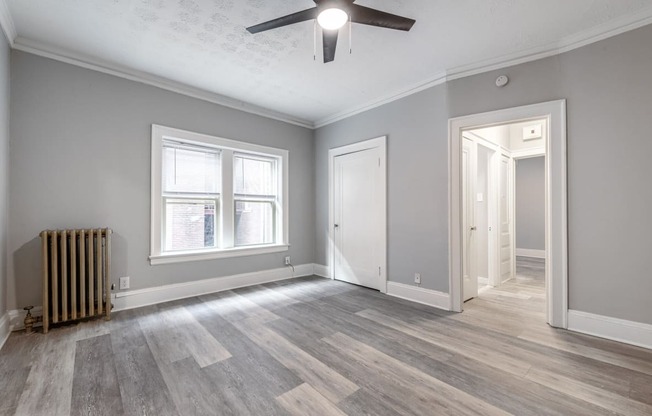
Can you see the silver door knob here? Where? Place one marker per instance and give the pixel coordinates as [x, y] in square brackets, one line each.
[474, 228]
[336, 225]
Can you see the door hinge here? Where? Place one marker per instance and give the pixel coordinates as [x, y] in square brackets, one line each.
[378, 162]
[379, 271]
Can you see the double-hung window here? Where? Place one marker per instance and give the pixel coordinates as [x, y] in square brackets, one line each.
[254, 195]
[215, 198]
[190, 196]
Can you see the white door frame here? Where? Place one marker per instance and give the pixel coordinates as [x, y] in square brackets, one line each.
[472, 241]
[556, 200]
[381, 144]
[511, 207]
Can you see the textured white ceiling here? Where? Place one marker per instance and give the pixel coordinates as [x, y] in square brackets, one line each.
[203, 43]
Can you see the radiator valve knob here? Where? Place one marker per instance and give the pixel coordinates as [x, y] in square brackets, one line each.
[29, 320]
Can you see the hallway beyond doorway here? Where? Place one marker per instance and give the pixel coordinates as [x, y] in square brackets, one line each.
[519, 301]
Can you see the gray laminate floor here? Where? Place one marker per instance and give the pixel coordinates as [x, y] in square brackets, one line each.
[311, 346]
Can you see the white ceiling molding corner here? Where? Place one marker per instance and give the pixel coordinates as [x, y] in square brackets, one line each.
[595, 34]
[587, 37]
[606, 30]
[47, 51]
[436, 80]
[7, 23]
[527, 53]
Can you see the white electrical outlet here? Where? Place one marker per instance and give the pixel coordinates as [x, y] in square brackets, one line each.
[287, 260]
[124, 282]
[417, 278]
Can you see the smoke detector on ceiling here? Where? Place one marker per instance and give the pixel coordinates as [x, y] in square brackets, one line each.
[502, 80]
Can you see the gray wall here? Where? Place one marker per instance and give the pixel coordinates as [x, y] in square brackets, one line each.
[417, 172]
[609, 94]
[80, 157]
[530, 202]
[4, 168]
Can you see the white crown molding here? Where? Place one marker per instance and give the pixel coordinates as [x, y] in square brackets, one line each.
[597, 33]
[7, 23]
[621, 330]
[606, 30]
[437, 80]
[566, 44]
[58, 54]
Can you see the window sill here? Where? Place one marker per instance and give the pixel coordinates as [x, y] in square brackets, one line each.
[216, 254]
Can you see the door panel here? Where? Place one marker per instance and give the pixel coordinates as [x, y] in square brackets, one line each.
[505, 219]
[357, 213]
[470, 278]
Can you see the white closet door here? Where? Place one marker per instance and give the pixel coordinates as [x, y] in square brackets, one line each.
[358, 218]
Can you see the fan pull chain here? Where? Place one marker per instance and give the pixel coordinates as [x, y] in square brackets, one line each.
[314, 42]
[350, 35]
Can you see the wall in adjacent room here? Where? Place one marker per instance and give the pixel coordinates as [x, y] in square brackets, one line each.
[530, 203]
[80, 157]
[499, 135]
[609, 97]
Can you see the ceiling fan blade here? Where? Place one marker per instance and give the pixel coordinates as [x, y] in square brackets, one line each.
[290, 19]
[329, 39]
[373, 17]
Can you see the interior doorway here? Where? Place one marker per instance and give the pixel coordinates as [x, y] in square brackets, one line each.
[483, 154]
[490, 158]
[358, 214]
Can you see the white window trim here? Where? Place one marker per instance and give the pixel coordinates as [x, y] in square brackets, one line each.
[157, 256]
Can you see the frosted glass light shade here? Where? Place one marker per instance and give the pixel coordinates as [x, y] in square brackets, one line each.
[332, 19]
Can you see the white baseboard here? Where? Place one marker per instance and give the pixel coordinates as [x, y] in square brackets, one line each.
[322, 271]
[528, 252]
[420, 295]
[143, 297]
[149, 296]
[4, 329]
[629, 332]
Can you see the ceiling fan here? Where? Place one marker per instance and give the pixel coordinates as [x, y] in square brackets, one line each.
[331, 15]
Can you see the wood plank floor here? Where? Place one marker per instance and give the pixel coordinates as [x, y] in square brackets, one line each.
[311, 346]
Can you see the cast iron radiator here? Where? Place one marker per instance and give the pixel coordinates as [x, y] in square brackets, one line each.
[76, 275]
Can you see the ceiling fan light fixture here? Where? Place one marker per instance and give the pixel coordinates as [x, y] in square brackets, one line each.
[332, 19]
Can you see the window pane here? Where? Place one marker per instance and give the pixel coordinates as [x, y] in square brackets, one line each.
[187, 170]
[253, 176]
[254, 223]
[189, 224]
